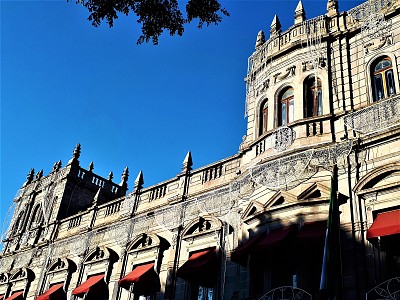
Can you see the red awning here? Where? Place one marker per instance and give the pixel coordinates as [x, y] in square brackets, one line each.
[139, 274]
[52, 293]
[240, 254]
[201, 267]
[87, 285]
[312, 230]
[1, 297]
[16, 296]
[387, 223]
[274, 238]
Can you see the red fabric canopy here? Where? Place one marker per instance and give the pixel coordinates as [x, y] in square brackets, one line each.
[87, 285]
[240, 254]
[16, 296]
[387, 223]
[137, 275]
[274, 238]
[201, 267]
[52, 292]
[312, 230]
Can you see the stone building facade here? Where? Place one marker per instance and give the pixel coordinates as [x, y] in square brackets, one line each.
[323, 127]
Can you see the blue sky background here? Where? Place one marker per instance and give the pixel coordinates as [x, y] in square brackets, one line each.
[64, 81]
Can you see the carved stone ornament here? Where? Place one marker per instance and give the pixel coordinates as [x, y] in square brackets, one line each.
[291, 71]
[263, 87]
[377, 43]
[308, 65]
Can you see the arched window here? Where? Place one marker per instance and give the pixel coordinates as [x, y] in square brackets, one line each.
[37, 216]
[312, 97]
[17, 223]
[383, 79]
[263, 118]
[286, 106]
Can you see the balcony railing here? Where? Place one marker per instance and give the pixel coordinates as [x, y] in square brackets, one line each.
[376, 117]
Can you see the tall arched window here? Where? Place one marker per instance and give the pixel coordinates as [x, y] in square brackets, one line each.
[263, 118]
[37, 216]
[383, 78]
[312, 97]
[18, 223]
[286, 106]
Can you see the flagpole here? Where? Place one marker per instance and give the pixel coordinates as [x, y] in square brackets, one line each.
[331, 283]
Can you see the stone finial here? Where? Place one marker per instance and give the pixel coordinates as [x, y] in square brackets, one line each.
[97, 196]
[77, 151]
[276, 26]
[187, 162]
[332, 8]
[124, 177]
[56, 166]
[91, 167]
[76, 154]
[139, 181]
[299, 13]
[260, 39]
[30, 176]
[39, 175]
[110, 176]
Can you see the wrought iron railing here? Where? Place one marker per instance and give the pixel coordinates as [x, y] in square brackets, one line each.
[376, 117]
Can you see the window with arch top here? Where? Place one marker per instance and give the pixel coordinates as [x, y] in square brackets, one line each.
[312, 97]
[263, 118]
[286, 106]
[382, 78]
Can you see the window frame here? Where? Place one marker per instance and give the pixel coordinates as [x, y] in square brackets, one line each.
[382, 75]
[284, 118]
[313, 107]
[263, 117]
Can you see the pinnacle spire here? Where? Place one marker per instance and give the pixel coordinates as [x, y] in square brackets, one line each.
[299, 13]
[97, 196]
[124, 177]
[30, 176]
[139, 181]
[187, 162]
[276, 26]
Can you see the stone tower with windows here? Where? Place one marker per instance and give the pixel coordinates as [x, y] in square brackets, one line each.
[317, 172]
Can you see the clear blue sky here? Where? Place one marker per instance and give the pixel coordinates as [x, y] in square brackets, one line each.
[64, 81]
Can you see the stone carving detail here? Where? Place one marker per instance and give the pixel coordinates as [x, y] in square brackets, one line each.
[128, 204]
[282, 138]
[171, 217]
[291, 71]
[217, 203]
[262, 88]
[242, 188]
[308, 65]
[291, 170]
[377, 43]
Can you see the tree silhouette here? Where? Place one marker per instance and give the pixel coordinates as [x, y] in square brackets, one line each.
[155, 16]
